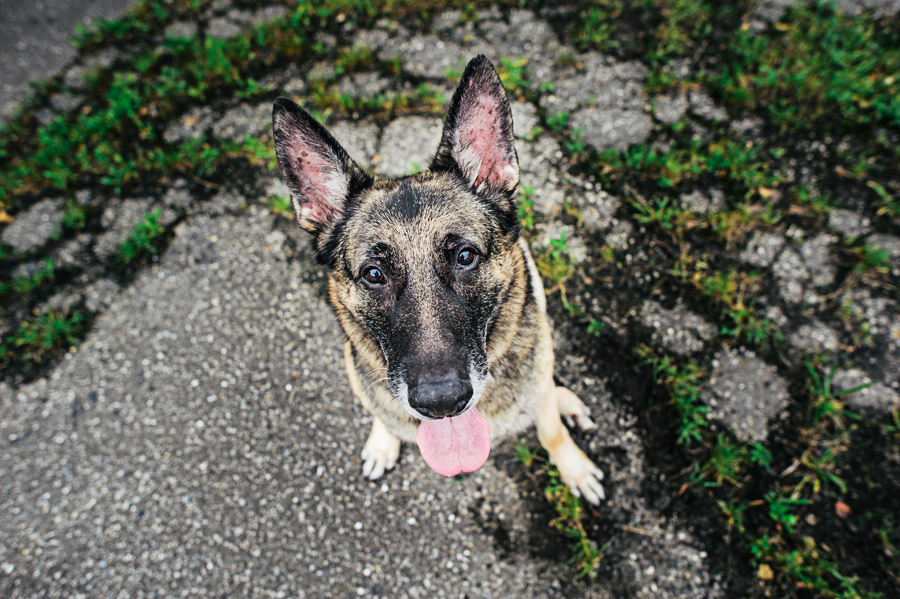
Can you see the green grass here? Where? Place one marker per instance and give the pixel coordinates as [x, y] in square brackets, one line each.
[596, 26]
[142, 238]
[809, 566]
[558, 121]
[659, 212]
[555, 266]
[49, 330]
[513, 74]
[684, 383]
[330, 100]
[825, 402]
[526, 207]
[815, 70]
[117, 141]
[42, 277]
[280, 205]
[731, 291]
[889, 204]
[816, 63]
[352, 59]
[730, 159]
[569, 519]
[778, 548]
[74, 217]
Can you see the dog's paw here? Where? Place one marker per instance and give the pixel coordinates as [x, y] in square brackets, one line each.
[380, 452]
[580, 474]
[573, 410]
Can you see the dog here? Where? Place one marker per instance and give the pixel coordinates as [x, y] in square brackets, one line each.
[438, 295]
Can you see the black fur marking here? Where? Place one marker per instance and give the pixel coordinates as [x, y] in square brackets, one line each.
[405, 203]
[529, 289]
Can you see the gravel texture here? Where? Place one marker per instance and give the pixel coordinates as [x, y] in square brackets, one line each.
[360, 140]
[876, 397]
[848, 223]
[762, 248]
[677, 330]
[814, 337]
[407, 144]
[35, 42]
[200, 429]
[120, 218]
[699, 202]
[365, 85]
[745, 393]
[598, 82]
[222, 28]
[818, 260]
[203, 441]
[34, 228]
[611, 128]
[704, 107]
[525, 119]
[245, 120]
[671, 108]
[540, 163]
[792, 274]
[182, 429]
[181, 29]
[191, 124]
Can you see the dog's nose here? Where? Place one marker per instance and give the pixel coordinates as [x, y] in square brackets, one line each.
[442, 396]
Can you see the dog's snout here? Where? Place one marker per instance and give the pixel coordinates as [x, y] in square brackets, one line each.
[440, 397]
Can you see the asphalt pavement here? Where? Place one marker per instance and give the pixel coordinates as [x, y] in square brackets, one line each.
[35, 41]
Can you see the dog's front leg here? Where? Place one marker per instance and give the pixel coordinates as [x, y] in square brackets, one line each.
[380, 452]
[575, 468]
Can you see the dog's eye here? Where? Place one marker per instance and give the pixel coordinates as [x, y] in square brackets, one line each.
[374, 276]
[467, 258]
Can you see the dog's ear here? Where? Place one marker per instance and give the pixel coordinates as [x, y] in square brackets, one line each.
[477, 141]
[317, 170]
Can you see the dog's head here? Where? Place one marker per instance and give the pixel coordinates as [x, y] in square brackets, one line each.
[419, 266]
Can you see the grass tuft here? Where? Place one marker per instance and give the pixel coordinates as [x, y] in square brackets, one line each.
[141, 239]
[816, 62]
[586, 555]
[50, 330]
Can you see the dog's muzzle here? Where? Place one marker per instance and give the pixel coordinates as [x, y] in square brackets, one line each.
[440, 396]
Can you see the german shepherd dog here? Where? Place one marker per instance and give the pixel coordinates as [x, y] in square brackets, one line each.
[438, 296]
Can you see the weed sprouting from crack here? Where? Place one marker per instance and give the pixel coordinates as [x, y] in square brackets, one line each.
[825, 404]
[141, 239]
[555, 265]
[586, 555]
[526, 207]
[49, 330]
[42, 276]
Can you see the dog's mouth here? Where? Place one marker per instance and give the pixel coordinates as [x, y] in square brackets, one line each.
[452, 440]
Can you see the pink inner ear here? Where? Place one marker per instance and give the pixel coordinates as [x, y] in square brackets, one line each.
[481, 139]
[321, 182]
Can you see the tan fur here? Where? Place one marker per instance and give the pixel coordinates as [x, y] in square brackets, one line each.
[520, 390]
[431, 284]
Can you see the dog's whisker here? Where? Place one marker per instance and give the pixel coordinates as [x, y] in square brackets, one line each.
[375, 383]
[374, 370]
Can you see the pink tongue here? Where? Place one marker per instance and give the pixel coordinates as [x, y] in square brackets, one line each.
[454, 445]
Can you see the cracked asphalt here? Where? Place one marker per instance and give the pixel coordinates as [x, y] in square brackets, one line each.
[35, 41]
[203, 440]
